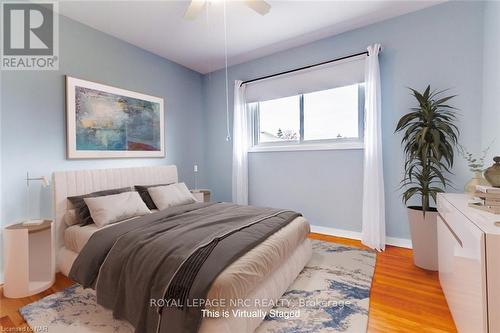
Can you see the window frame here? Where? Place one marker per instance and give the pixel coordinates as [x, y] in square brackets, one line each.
[301, 144]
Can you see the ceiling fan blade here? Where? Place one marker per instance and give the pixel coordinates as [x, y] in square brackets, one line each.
[194, 9]
[260, 6]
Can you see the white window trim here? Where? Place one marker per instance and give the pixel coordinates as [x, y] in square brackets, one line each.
[325, 144]
[350, 145]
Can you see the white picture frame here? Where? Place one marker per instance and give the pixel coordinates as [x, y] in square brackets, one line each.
[77, 150]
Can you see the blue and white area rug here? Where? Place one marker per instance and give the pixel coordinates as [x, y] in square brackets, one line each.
[330, 295]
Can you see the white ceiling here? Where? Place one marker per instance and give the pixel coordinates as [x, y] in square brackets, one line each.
[159, 27]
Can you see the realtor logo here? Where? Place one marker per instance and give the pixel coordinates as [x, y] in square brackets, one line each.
[29, 36]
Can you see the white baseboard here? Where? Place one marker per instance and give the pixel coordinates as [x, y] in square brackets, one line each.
[336, 232]
[400, 242]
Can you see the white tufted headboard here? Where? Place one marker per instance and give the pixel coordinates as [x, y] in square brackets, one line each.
[77, 182]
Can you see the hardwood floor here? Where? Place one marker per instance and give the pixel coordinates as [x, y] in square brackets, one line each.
[404, 298]
[9, 315]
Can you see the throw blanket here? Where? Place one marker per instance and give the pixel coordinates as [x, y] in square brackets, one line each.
[154, 270]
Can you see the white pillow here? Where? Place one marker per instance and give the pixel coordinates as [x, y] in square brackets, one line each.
[171, 195]
[70, 218]
[116, 207]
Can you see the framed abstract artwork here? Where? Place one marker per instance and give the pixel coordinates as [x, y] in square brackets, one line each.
[109, 122]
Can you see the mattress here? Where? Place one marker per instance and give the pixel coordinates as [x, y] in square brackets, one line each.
[241, 277]
[76, 236]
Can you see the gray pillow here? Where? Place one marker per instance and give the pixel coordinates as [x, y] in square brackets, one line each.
[82, 211]
[143, 192]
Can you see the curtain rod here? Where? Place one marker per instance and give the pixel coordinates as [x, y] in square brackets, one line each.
[302, 68]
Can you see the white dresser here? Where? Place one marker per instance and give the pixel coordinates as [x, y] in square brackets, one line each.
[469, 263]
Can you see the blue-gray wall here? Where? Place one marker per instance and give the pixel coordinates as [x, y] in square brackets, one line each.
[491, 82]
[441, 46]
[33, 114]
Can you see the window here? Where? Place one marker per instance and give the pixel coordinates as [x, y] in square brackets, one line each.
[325, 119]
[279, 120]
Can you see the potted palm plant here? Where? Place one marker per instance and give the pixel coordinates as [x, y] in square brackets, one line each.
[429, 137]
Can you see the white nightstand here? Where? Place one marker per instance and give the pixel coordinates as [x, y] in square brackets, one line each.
[202, 195]
[29, 259]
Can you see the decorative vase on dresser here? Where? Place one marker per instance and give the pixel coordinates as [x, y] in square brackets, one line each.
[492, 174]
[469, 265]
[478, 179]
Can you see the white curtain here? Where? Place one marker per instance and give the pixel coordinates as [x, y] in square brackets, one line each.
[241, 143]
[373, 231]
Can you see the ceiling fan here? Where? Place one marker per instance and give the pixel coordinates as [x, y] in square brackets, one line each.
[196, 6]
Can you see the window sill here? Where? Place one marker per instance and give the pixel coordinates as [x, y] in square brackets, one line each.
[310, 146]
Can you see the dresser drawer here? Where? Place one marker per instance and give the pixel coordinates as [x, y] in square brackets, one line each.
[461, 247]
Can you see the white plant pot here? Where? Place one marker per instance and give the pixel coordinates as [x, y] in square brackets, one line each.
[424, 238]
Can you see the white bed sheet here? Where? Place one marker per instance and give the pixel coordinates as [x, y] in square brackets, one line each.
[76, 236]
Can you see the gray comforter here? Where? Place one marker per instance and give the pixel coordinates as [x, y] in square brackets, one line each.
[153, 270]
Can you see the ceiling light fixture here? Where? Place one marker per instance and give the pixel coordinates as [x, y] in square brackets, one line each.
[196, 6]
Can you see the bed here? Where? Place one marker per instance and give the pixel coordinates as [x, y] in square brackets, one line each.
[263, 272]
